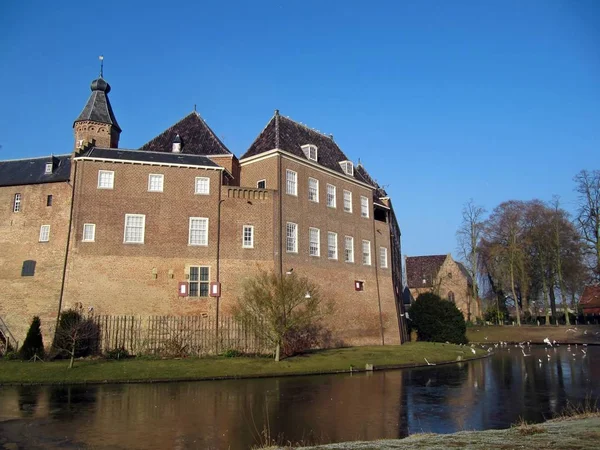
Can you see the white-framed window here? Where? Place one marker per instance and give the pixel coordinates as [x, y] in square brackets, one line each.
[291, 182]
[48, 169]
[332, 245]
[261, 184]
[89, 232]
[291, 235]
[198, 232]
[366, 253]
[314, 242]
[310, 151]
[383, 259]
[349, 249]
[364, 207]
[248, 236]
[135, 228]
[331, 196]
[156, 182]
[347, 201]
[44, 233]
[106, 179]
[199, 281]
[347, 167]
[202, 185]
[313, 190]
[17, 203]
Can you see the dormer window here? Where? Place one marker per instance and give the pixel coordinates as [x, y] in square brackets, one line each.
[347, 167]
[48, 169]
[310, 151]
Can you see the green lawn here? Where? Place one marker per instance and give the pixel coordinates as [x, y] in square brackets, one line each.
[98, 371]
[585, 334]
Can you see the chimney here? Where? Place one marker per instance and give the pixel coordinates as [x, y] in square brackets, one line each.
[176, 145]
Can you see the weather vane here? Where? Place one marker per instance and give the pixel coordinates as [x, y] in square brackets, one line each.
[101, 58]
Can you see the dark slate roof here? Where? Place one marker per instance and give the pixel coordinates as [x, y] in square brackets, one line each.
[362, 175]
[286, 134]
[98, 106]
[423, 267]
[196, 137]
[465, 272]
[32, 170]
[148, 157]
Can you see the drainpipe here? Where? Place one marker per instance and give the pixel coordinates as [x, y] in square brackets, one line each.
[377, 277]
[218, 261]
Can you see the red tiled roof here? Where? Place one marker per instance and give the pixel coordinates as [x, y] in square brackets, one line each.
[419, 268]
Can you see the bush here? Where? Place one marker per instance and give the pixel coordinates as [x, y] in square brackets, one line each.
[76, 336]
[117, 353]
[231, 353]
[300, 339]
[437, 320]
[33, 344]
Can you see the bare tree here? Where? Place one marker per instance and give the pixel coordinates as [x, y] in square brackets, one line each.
[75, 336]
[280, 304]
[559, 225]
[469, 239]
[588, 215]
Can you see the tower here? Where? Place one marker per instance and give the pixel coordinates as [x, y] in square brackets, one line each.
[97, 121]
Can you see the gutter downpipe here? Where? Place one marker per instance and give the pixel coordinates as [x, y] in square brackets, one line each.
[218, 260]
[377, 278]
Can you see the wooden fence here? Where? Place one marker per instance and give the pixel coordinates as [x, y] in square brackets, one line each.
[178, 335]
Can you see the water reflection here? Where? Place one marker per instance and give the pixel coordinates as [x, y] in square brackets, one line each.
[491, 393]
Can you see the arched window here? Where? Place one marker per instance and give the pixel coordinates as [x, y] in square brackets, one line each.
[451, 297]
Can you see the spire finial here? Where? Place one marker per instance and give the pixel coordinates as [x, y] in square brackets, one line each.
[194, 107]
[101, 58]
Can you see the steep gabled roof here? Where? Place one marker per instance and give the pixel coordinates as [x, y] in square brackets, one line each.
[148, 157]
[362, 175]
[419, 268]
[590, 299]
[465, 272]
[196, 137]
[285, 134]
[32, 170]
[98, 106]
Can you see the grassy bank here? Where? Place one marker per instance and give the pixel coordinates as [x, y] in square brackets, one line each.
[584, 334]
[333, 360]
[579, 432]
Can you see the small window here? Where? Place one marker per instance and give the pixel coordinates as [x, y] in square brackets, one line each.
[348, 201]
[89, 232]
[451, 297]
[248, 236]
[310, 151]
[364, 207]
[349, 249]
[106, 179]
[44, 233]
[49, 200]
[262, 184]
[359, 285]
[314, 242]
[347, 167]
[202, 185]
[331, 200]
[17, 203]
[155, 182]
[48, 169]
[313, 190]
[383, 259]
[332, 252]
[198, 232]
[366, 248]
[291, 234]
[199, 281]
[291, 184]
[135, 228]
[28, 269]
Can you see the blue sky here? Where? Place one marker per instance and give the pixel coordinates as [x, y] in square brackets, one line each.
[441, 101]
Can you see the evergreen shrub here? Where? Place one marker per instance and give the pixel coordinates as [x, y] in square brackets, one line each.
[437, 320]
[33, 344]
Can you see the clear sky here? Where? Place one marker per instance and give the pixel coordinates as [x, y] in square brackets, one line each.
[441, 100]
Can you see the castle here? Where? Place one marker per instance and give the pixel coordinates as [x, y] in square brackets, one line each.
[174, 227]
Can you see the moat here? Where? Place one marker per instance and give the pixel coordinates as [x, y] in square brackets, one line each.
[491, 393]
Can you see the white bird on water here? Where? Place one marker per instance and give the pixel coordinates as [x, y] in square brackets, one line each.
[473, 350]
[547, 341]
[428, 363]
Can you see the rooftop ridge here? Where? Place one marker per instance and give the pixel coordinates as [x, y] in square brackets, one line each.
[212, 133]
[36, 157]
[328, 136]
[152, 152]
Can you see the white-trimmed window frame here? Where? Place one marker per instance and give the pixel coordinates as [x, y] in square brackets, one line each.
[197, 191]
[314, 246]
[44, 233]
[366, 252]
[199, 281]
[330, 235]
[199, 243]
[383, 257]
[88, 226]
[310, 151]
[291, 182]
[159, 183]
[261, 181]
[17, 202]
[111, 177]
[48, 168]
[331, 196]
[348, 249]
[347, 201]
[364, 207]
[313, 190]
[143, 234]
[291, 237]
[347, 167]
[245, 243]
